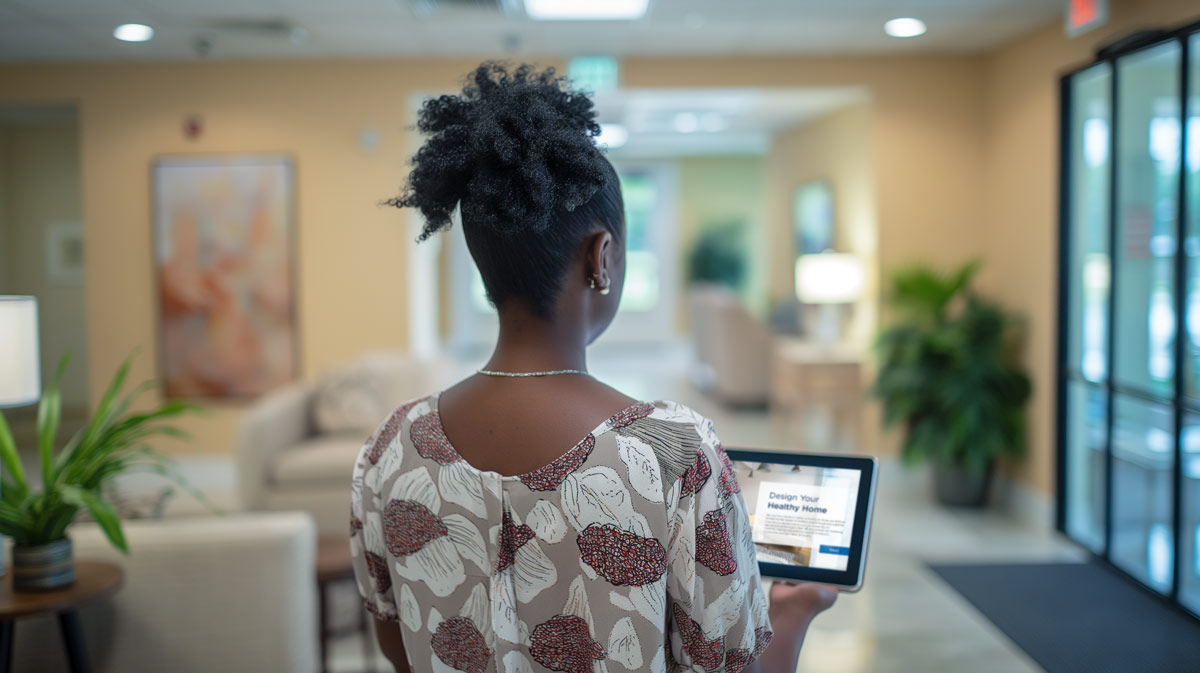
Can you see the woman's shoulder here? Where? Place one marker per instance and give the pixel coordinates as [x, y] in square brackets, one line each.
[677, 413]
[388, 433]
[677, 436]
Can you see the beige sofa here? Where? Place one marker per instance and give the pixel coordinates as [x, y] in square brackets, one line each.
[733, 348]
[296, 447]
[216, 593]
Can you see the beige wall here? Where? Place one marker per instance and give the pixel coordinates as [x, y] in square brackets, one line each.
[40, 184]
[836, 148]
[351, 252]
[925, 126]
[1018, 218]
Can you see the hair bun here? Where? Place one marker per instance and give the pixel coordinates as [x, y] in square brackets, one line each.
[513, 148]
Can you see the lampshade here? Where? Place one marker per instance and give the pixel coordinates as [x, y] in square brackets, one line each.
[828, 278]
[20, 364]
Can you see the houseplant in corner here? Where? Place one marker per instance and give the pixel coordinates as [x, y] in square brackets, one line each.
[948, 374]
[112, 442]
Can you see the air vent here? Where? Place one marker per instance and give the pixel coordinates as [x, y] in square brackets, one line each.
[429, 7]
[278, 27]
[469, 4]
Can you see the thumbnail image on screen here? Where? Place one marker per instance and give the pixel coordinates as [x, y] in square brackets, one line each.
[800, 515]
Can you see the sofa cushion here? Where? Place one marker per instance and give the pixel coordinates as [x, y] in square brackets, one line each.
[320, 460]
[350, 399]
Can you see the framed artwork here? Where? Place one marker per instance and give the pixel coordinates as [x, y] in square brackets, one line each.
[224, 261]
[64, 252]
[812, 217]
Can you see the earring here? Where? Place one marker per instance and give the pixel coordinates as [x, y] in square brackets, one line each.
[603, 290]
[592, 282]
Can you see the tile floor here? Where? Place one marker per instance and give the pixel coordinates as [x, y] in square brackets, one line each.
[904, 620]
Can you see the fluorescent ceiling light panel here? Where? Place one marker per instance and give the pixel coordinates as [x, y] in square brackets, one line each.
[133, 32]
[586, 10]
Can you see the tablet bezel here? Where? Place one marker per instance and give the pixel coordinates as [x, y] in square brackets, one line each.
[851, 578]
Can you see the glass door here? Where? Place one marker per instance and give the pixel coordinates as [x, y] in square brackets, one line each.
[1144, 318]
[1189, 456]
[1088, 282]
[1129, 349]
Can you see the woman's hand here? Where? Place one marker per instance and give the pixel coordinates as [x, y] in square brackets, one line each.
[792, 609]
[797, 603]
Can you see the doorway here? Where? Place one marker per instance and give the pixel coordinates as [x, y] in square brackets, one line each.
[42, 245]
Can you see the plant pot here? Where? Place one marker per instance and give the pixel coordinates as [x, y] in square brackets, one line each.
[957, 486]
[43, 567]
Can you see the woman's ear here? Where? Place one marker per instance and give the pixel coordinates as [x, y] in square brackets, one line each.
[600, 257]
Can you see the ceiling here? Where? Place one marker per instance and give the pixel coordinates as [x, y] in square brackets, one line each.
[81, 30]
[729, 121]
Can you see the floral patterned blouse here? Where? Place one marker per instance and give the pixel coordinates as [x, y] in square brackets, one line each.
[630, 552]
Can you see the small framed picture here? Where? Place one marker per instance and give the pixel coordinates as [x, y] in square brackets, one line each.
[64, 252]
[812, 217]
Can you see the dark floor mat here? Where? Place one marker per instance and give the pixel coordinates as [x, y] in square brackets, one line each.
[1080, 617]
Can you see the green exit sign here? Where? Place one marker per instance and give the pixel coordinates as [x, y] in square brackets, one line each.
[598, 74]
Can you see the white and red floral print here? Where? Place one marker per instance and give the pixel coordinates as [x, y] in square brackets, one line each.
[714, 550]
[621, 557]
[568, 568]
[460, 645]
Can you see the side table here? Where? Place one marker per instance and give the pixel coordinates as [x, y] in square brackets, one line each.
[807, 377]
[92, 580]
[334, 564]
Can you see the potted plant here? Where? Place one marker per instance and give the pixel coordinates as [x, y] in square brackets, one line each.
[718, 256]
[948, 374]
[112, 442]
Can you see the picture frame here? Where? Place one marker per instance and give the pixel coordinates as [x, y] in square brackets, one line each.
[64, 252]
[813, 223]
[224, 241]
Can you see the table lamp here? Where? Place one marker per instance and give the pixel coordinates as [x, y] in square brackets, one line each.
[20, 363]
[829, 280]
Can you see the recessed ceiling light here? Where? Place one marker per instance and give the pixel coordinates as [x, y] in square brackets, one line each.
[133, 32]
[904, 27]
[612, 135]
[585, 10]
[687, 122]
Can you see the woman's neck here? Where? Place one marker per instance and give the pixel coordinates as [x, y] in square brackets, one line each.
[528, 343]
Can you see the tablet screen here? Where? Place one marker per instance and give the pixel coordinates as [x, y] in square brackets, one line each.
[809, 513]
[801, 515]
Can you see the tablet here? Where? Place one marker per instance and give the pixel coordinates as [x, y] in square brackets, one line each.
[810, 513]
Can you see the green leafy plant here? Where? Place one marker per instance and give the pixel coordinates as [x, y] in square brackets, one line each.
[114, 441]
[948, 370]
[718, 256]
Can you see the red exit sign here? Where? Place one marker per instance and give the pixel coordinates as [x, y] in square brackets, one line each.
[1084, 15]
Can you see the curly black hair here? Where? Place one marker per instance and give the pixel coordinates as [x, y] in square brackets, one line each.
[516, 153]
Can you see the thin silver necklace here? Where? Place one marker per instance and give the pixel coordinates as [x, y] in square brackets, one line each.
[521, 375]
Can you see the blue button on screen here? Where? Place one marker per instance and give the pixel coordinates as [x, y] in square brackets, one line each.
[836, 551]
